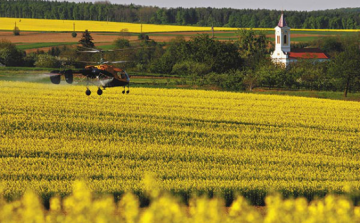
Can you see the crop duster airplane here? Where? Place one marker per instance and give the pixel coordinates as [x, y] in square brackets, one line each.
[106, 75]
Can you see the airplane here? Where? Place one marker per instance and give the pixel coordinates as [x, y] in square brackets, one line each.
[106, 75]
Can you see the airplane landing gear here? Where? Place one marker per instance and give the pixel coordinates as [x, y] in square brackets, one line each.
[99, 91]
[88, 92]
[127, 92]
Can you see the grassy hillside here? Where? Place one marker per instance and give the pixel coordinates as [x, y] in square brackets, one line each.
[195, 141]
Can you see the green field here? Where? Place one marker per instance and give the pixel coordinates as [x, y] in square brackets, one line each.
[41, 45]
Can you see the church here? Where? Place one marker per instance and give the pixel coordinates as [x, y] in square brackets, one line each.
[284, 55]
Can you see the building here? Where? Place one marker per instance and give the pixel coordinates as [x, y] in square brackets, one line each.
[284, 55]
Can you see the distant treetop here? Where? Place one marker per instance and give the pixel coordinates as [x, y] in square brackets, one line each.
[345, 18]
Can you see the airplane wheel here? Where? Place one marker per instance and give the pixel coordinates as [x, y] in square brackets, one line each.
[99, 92]
[123, 91]
[88, 92]
[127, 92]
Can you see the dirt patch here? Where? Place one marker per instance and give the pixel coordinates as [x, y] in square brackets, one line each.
[103, 38]
[192, 33]
[38, 37]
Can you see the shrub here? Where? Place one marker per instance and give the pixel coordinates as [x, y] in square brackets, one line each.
[190, 68]
[121, 43]
[143, 36]
[16, 31]
[10, 55]
[232, 80]
[74, 34]
[46, 60]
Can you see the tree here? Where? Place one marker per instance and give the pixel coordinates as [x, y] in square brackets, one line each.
[177, 50]
[251, 79]
[232, 80]
[143, 36]
[86, 40]
[270, 75]
[218, 56]
[121, 43]
[346, 65]
[124, 32]
[16, 30]
[193, 69]
[330, 45]
[9, 54]
[253, 47]
[46, 60]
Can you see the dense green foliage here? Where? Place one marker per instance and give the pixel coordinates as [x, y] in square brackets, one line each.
[243, 64]
[121, 43]
[16, 31]
[10, 55]
[105, 11]
[46, 60]
[86, 40]
[216, 55]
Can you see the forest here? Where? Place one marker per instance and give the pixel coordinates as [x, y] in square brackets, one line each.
[345, 18]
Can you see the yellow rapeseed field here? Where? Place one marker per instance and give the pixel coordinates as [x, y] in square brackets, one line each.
[82, 206]
[93, 26]
[195, 141]
[98, 26]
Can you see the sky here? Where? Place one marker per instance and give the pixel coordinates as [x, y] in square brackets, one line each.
[302, 5]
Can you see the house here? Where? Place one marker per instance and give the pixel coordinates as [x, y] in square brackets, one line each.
[284, 55]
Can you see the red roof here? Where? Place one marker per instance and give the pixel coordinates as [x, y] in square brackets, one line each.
[282, 22]
[307, 53]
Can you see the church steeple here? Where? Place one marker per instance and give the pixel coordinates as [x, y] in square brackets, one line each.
[282, 35]
[282, 22]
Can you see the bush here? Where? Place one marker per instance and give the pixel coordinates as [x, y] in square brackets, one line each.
[10, 55]
[74, 34]
[46, 60]
[143, 36]
[54, 51]
[16, 31]
[124, 32]
[121, 43]
[29, 60]
[190, 68]
[232, 81]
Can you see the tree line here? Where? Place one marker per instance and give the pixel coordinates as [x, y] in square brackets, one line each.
[346, 18]
[243, 64]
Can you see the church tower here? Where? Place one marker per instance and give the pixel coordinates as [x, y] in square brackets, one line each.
[282, 35]
[282, 55]
[282, 43]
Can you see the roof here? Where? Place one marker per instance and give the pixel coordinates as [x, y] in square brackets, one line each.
[307, 53]
[282, 22]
